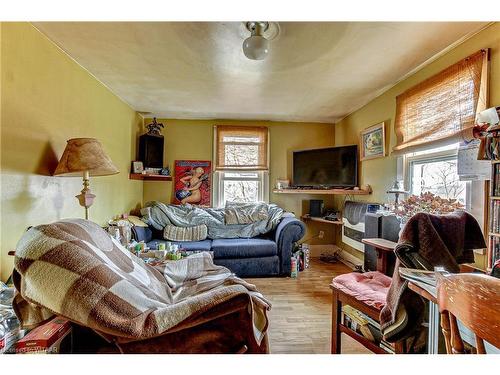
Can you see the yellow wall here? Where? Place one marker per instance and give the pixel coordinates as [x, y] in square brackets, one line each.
[47, 98]
[193, 139]
[380, 173]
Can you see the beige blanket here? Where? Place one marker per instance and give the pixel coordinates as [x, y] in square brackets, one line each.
[73, 268]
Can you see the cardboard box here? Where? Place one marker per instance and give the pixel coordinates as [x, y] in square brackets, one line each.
[44, 336]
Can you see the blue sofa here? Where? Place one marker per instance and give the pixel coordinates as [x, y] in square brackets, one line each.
[266, 255]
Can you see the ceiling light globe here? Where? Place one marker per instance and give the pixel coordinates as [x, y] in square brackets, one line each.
[256, 47]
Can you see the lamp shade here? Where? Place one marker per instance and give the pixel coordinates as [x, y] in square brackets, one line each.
[82, 155]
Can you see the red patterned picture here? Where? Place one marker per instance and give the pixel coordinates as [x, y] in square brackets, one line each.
[192, 182]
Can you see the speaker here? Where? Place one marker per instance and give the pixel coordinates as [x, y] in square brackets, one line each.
[316, 207]
[380, 226]
[151, 150]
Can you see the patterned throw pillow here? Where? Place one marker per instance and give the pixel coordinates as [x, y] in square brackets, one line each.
[196, 233]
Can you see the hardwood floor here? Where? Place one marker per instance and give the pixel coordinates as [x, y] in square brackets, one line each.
[300, 318]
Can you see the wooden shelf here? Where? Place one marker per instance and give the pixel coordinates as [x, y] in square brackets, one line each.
[149, 177]
[321, 220]
[495, 234]
[322, 191]
[495, 198]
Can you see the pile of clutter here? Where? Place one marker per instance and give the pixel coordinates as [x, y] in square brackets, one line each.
[10, 331]
[120, 228]
[299, 260]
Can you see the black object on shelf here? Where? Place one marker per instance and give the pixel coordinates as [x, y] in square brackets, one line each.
[316, 207]
[151, 150]
[380, 226]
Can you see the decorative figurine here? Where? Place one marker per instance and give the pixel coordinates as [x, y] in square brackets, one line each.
[154, 127]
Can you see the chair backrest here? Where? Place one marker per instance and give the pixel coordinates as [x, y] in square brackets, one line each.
[474, 299]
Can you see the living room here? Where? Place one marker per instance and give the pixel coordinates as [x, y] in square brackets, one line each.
[250, 186]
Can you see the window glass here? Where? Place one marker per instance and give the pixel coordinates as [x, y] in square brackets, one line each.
[438, 176]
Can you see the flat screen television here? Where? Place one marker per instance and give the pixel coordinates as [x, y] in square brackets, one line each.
[332, 167]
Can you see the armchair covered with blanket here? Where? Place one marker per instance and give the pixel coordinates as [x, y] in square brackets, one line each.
[74, 269]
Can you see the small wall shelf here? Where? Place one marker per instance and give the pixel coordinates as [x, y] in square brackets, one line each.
[322, 191]
[321, 220]
[149, 177]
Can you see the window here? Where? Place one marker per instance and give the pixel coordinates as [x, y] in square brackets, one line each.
[441, 110]
[241, 171]
[436, 171]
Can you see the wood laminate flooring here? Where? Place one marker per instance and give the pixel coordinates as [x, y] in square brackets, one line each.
[300, 317]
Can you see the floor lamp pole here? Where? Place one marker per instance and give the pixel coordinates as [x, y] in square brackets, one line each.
[86, 198]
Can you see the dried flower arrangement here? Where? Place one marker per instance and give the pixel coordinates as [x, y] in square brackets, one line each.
[426, 202]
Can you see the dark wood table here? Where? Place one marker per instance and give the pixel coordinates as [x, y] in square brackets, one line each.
[383, 248]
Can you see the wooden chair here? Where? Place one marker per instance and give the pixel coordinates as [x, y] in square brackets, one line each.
[473, 299]
[370, 305]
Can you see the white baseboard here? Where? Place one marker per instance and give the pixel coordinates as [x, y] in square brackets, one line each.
[316, 250]
[350, 260]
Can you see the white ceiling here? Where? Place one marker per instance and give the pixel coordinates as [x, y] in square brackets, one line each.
[317, 72]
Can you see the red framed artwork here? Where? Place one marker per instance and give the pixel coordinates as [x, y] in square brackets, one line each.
[192, 182]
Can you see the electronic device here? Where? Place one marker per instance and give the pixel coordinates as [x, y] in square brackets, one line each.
[353, 219]
[331, 216]
[372, 208]
[326, 167]
[316, 207]
[380, 226]
[151, 150]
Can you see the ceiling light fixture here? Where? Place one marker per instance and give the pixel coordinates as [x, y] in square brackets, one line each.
[256, 47]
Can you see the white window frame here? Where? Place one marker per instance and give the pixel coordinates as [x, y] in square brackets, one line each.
[219, 176]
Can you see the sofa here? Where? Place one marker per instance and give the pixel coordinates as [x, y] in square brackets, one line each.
[262, 256]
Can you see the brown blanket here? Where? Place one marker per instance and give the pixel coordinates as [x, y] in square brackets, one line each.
[427, 241]
[73, 268]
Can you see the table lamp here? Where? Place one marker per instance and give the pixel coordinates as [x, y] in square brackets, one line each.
[85, 157]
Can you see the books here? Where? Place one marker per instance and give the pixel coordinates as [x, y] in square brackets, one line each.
[45, 338]
[496, 180]
[494, 253]
[424, 279]
[495, 216]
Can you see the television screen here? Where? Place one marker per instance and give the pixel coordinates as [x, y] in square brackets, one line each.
[326, 167]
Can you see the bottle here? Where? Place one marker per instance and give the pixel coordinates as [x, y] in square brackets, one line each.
[294, 268]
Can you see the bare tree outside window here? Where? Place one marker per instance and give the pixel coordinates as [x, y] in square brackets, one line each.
[241, 187]
[439, 177]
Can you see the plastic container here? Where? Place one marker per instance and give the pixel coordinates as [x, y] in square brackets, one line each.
[295, 271]
[9, 329]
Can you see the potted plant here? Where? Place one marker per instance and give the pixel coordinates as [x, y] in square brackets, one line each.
[425, 202]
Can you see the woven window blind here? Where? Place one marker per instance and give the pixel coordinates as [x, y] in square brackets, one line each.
[241, 148]
[441, 110]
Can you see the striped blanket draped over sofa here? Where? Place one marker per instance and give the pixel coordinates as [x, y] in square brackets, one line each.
[74, 269]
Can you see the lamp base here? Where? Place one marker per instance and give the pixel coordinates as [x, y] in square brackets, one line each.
[86, 198]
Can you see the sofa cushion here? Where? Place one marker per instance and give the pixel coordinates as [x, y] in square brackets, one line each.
[243, 248]
[370, 288]
[252, 267]
[204, 245]
[194, 233]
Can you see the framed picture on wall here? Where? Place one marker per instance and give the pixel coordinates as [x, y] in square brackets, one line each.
[372, 142]
[137, 167]
[192, 182]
